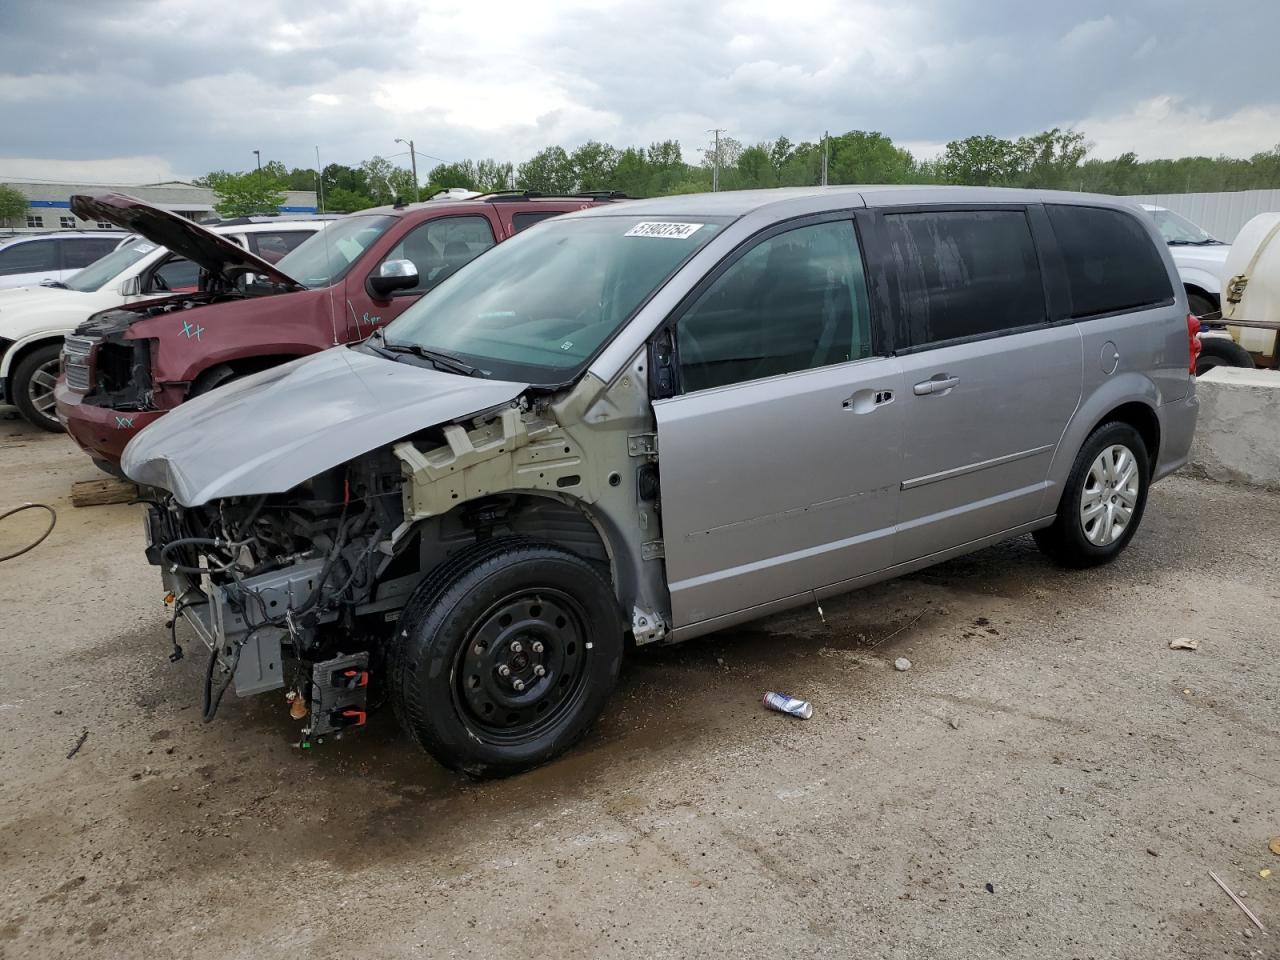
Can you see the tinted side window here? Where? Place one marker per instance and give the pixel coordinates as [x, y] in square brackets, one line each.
[176, 274]
[77, 253]
[271, 247]
[795, 301]
[440, 247]
[29, 257]
[522, 221]
[964, 273]
[1111, 261]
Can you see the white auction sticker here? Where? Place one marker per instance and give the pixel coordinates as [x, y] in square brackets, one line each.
[666, 231]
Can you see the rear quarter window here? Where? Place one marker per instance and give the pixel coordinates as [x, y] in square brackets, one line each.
[965, 273]
[1111, 262]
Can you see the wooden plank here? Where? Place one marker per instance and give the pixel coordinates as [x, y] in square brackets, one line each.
[95, 493]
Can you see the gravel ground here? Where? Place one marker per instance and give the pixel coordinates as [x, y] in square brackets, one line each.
[1048, 779]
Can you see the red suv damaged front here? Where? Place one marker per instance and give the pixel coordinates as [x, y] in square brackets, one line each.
[125, 368]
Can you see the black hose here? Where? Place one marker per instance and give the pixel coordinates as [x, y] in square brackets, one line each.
[211, 701]
[53, 522]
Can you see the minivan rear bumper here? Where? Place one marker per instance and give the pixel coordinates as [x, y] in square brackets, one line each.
[1177, 429]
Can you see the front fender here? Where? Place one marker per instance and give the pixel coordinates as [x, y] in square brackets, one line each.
[53, 335]
[1116, 392]
[1206, 280]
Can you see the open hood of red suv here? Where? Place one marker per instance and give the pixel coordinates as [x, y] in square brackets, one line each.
[216, 254]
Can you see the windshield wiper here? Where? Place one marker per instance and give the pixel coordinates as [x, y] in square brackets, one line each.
[438, 358]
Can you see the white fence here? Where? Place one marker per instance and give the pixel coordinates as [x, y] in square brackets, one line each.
[1222, 214]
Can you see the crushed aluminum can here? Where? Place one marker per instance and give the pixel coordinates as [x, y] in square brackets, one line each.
[784, 704]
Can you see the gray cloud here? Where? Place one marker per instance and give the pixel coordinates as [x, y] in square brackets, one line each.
[200, 86]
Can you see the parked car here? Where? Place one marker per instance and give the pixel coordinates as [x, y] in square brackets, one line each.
[33, 320]
[1201, 259]
[52, 257]
[126, 368]
[660, 419]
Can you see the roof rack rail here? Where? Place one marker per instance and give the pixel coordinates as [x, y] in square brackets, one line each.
[515, 196]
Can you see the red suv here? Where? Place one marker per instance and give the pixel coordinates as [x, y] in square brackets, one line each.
[124, 368]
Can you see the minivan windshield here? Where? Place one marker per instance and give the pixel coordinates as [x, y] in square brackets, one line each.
[105, 269]
[1179, 231]
[537, 307]
[325, 257]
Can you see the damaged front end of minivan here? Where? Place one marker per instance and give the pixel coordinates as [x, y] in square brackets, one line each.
[294, 570]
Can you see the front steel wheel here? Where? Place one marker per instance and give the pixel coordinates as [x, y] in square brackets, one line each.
[1103, 499]
[505, 656]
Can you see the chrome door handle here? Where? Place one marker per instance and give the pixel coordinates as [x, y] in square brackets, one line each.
[938, 385]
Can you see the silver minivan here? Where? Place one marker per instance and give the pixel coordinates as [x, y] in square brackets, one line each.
[648, 421]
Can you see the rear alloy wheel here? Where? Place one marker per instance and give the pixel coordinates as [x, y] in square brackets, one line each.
[1103, 499]
[505, 656]
[33, 381]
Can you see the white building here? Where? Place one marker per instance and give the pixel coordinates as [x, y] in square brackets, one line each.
[49, 204]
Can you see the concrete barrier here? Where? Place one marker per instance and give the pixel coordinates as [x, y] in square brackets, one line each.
[1238, 433]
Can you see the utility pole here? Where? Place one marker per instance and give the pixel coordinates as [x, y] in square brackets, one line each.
[413, 163]
[715, 159]
[319, 180]
[826, 137]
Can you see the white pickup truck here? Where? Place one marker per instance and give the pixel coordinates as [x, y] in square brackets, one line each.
[1201, 261]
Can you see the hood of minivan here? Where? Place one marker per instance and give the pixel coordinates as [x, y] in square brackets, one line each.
[271, 431]
[218, 255]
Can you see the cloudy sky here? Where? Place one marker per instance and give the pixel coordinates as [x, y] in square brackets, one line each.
[141, 90]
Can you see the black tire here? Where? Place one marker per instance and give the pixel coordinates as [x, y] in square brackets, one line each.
[29, 377]
[1067, 541]
[1221, 352]
[492, 606]
[212, 378]
[1202, 306]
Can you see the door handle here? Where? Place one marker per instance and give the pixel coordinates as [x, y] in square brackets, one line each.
[864, 401]
[939, 384]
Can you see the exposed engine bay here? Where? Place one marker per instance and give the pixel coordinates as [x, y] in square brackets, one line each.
[279, 588]
[113, 370]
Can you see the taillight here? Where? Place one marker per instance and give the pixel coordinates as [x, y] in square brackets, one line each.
[1193, 342]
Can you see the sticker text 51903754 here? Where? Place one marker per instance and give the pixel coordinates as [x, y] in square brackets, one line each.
[664, 231]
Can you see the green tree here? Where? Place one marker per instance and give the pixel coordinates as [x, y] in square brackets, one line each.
[980, 161]
[548, 171]
[492, 176]
[377, 177]
[342, 200]
[244, 194]
[461, 174]
[595, 165]
[13, 204]
[862, 157]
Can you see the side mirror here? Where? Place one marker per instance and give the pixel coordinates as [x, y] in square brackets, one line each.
[131, 287]
[393, 275]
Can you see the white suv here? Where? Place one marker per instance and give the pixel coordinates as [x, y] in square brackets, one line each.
[33, 320]
[36, 258]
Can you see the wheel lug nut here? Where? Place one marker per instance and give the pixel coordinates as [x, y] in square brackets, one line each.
[504, 671]
[516, 646]
[518, 684]
[537, 646]
[539, 670]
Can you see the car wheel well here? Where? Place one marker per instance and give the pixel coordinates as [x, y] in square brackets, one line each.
[1199, 291]
[228, 370]
[21, 354]
[560, 521]
[1143, 419]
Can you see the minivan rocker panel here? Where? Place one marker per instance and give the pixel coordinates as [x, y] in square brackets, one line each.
[657, 420]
